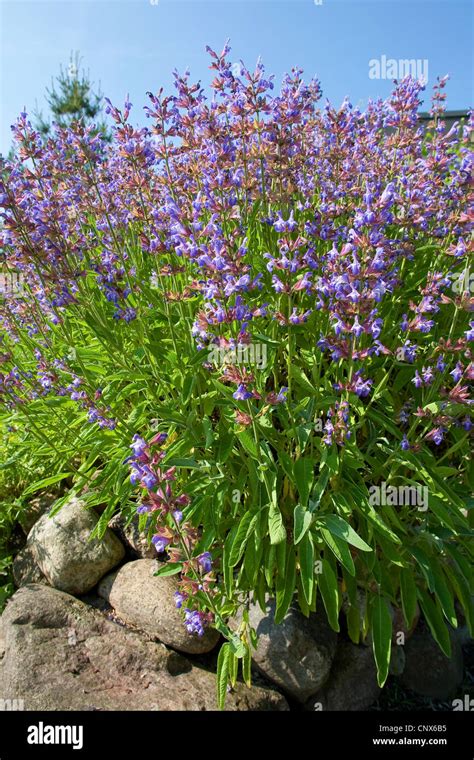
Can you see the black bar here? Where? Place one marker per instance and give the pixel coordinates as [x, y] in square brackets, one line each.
[212, 734]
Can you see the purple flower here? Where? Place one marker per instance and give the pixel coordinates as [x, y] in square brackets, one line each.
[417, 381]
[376, 327]
[278, 286]
[427, 375]
[356, 328]
[470, 333]
[194, 621]
[149, 479]
[409, 350]
[160, 543]
[138, 445]
[388, 194]
[436, 435]
[280, 224]
[291, 224]
[405, 444]
[362, 387]
[129, 314]
[179, 599]
[242, 394]
[205, 561]
[158, 439]
[404, 415]
[329, 428]
[136, 473]
[423, 325]
[457, 372]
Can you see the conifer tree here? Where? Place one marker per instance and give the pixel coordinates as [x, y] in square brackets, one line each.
[70, 98]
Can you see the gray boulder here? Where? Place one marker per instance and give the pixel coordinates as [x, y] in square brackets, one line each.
[25, 568]
[134, 540]
[296, 654]
[35, 508]
[397, 660]
[147, 602]
[427, 670]
[60, 654]
[352, 684]
[65, 553]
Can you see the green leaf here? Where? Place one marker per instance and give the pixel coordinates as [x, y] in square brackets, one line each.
[247, 667]
[285, 586]
[224, 449]
[275, 524]
[169, 569]
[382, 637]
[244, 530]
[306, 560]
[329, 465]
[434, 618]
[265, 339]
[464, 566]
[330, 594]
[378, 523]
[188, 385]
[233, 668]
[182, 462]
[340, 549]
[286, 464]
[222, 674]
[384, 423]
[408, 595]
[227, 570]
[353, 623]
[304, 471]
[338, 526]
[445, 515]
[280, 556]
[319, 488]
[301, 379]
[444, 596]
[269, 562]
[40, 484]
[301, 522]
[463, 594]
[208, 432]
[237, 646]
[249, 444]
[252, 564]
[425, 565]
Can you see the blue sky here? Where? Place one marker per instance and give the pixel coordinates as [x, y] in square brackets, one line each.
[133, 45]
